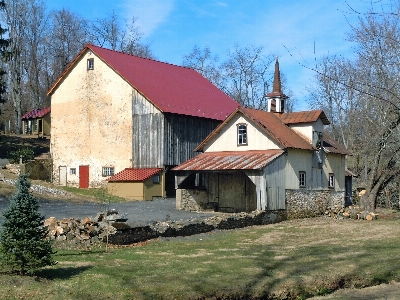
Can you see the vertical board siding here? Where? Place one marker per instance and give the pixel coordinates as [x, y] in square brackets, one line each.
[182, 135]
[148, 130]
[274, 175]
[164, 139]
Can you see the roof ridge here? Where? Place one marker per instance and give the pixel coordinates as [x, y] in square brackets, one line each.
[147, 58]
[274, 136]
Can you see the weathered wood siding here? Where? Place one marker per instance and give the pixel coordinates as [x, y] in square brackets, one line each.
[182, 134]
[227, 140]
[148, 132]
[335, 163]
[298, 160]
[274, 184]
[316, 177]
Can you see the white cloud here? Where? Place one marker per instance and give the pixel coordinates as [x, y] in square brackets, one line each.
[149, 14]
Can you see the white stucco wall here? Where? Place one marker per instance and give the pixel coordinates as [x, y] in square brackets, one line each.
[91, 121]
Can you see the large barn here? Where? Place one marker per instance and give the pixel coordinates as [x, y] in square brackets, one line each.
[112, 111]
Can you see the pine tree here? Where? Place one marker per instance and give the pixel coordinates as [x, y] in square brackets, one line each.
[23, 244]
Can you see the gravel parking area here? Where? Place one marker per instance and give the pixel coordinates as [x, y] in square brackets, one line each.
[137, 212]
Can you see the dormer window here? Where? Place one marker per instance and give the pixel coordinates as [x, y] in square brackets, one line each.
[242, 134]
[90, 63]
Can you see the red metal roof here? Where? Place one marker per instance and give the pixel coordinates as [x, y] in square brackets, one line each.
[171, 88]
[303, 117]
[36, 113]
[230, 160]
[130, 174]
[269, 123]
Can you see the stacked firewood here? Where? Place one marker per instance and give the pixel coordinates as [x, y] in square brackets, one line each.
[87, 231]
[350, 212]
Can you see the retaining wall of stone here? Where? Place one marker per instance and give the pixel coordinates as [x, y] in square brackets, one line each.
[125, 235]
[311, 203]
[185, 199]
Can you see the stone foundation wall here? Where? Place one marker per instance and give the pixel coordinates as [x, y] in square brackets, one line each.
[191, 200]
[126, 235]
[311, 203]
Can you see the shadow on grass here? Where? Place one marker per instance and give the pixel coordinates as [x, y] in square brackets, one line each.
[61, 272]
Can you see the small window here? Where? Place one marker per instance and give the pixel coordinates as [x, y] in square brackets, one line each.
[156, 178]
[72, 171]
[199, 180]
[108, 171]
[331, 182]
[242, 134]
[302, 179]
[90, 63]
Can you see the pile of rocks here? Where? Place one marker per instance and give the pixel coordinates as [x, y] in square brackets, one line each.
[13, 168]
[85, 231]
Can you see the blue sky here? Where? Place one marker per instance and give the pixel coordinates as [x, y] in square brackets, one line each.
[287, 28]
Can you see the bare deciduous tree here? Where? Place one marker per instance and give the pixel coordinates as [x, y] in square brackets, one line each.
[108, 32]
[362, 98]
[203, 62]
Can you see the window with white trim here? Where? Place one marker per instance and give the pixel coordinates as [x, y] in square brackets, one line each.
[302, 179]
[331, 181]
[90, 63]
[72, 171]
[108, 171]
[241, 134]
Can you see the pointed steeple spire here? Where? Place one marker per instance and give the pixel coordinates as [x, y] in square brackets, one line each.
[277, 85]
[276, 99]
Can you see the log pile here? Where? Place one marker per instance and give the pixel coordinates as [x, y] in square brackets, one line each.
[85, 231]
[350, 212]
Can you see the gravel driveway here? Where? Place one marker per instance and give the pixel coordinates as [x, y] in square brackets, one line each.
[137, 212]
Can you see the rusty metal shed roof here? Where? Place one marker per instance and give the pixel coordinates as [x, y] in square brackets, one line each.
[171, 88]
[131, 174]
[36, 113]
[230, 160]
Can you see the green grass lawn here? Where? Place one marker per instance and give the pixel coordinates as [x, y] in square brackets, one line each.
[293, 259]
[98, 194]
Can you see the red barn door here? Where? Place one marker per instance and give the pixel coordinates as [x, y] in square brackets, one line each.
[83, 177]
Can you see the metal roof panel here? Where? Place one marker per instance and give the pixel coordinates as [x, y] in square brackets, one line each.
[230, 160]
[171, 88]
[36, 113]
